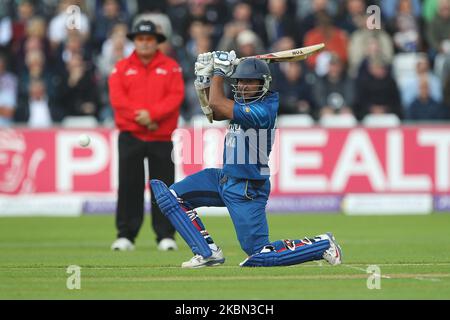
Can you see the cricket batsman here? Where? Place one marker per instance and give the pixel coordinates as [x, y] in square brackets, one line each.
[243, 184]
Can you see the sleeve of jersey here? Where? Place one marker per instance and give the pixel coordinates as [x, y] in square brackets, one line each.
[118, 97]
[252, 116]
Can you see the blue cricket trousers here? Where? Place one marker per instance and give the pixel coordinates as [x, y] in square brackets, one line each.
[245, 200]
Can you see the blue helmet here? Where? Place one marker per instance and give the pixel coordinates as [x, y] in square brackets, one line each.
[252, 68]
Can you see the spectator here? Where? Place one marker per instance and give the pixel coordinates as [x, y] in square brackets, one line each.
[6, 29]
[392, 8]
[447, 94]
[377, 91]
[39, 38]
[146, 122]
[365, 43]
[242, 20]
[279, 23]
[74, 45]
[178, 13]
[231, 31]
[35, 69]
[34, 108]
[442, 65]
[406, 34]
[199, 38]
[115, 48]
[334, 92]
[25, 12]
[154, 5]
[438, 30]
[35, 40]
[213, 12]
[353, 11]
[410, 89]
[190, 106]
[429, 9]
[77, 93]
[127, 8]
[60, 27]
[245, 16]
[336, 39]
[247, 43]
[8, 94]
[424, 107]
[109, 16]
[310, 17]
[46, 8]
[294, 89]
[305, 8]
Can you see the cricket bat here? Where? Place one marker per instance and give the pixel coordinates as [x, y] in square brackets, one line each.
[291, 55]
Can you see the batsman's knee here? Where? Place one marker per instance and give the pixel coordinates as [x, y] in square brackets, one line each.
[252, 244]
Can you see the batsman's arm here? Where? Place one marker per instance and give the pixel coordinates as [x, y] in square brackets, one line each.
[222, 106]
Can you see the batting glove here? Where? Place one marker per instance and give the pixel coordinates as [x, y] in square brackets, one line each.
[223, 63]
[202, 82]
[204, 65]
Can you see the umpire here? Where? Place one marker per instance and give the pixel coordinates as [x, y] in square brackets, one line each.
[146, 91]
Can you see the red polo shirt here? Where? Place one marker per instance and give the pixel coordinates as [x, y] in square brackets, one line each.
[157, 87]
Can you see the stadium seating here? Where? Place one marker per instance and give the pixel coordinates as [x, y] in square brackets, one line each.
[80, 122]
[338, 121]
[381, 120]
[200, 120]
[295, 121]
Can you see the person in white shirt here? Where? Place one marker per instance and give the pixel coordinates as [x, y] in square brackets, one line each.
[40, 116]
[35, 108]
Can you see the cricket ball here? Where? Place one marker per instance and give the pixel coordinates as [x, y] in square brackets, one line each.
[84, 140]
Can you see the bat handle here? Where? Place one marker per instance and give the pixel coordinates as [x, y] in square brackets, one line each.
[203, 99]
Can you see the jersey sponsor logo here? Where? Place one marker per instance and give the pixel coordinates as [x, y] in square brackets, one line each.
[177, 69]
[161, 71]
[131, 72]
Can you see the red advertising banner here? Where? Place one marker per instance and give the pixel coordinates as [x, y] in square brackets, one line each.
[52, 161]
[304, 162]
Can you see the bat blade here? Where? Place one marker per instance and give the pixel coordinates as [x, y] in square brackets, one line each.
[289, 55]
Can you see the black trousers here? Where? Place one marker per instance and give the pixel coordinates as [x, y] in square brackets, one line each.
[130, 203]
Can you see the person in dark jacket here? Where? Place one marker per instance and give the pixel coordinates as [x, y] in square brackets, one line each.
[377, 91]
[334, 92]
[146, 91]
[35, 108]
[76, 93]
[424, 107]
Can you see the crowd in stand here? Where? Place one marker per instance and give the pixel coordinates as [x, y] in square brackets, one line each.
[50, 69]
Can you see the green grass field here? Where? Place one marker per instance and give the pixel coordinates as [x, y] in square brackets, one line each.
[412, 252]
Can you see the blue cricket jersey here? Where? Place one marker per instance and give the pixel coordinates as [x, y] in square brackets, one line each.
[250, 138]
